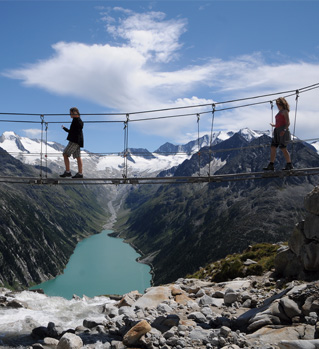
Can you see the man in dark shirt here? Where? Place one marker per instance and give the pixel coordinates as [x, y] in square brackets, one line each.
[76, 142]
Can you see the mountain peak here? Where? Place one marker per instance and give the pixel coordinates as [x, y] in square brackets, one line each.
[249, 134]
[10, 135]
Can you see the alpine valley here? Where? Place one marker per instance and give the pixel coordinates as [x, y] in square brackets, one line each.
[177, 227]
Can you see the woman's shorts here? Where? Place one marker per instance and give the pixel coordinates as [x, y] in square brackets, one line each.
[278, 140]
[72, 149]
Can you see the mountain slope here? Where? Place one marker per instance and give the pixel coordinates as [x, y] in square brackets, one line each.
[41, 225]
[180, 226]
[183, 227]
[140, 161]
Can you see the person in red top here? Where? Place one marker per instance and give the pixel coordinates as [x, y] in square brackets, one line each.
[281, 135]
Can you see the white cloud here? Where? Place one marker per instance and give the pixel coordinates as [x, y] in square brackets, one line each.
[149, 33]
[32, 133]
[100, 73]
[133, 77]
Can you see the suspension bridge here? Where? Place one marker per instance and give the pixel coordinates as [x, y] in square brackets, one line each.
[162, 180]
[177, 112]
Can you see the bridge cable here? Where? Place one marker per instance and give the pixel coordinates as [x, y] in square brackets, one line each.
[211, 138]
[126, 149]
[125, 153]
[198, 118]
[294, 132]
[304, 89]
[41, 144]
[301, 90]
[272, 117]
[46, 149]
[272, 111]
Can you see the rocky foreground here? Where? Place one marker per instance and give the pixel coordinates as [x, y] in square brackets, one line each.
[254, 312]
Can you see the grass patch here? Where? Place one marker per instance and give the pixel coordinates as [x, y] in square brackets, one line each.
[232, 266]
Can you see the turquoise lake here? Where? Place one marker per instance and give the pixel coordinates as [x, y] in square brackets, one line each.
[100, 265]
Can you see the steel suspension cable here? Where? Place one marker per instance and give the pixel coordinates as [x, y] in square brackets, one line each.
[294, 132]
[272, 111]
[272, 116]
[198, 118]
[125, 154]
[126, 123]
[41, 144]
[46, 149]
[301, 90]
[211, 139]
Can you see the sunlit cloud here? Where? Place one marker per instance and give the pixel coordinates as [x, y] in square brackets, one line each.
[32, 133]
[148, 33]
[135, 74]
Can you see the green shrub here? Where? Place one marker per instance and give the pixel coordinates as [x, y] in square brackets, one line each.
[232, 266]
[229, 270]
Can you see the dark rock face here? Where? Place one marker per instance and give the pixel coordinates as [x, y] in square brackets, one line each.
[183, 227]
[301, 258]
[40, 225]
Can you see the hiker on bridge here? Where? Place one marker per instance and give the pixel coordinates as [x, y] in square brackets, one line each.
[75, 139]
[281, 135]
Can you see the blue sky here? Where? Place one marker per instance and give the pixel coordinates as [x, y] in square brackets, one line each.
[130, 56]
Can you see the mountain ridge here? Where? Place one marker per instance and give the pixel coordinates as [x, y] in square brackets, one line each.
[184, 226]
[41, 225]
[139, 161]
[169, 214]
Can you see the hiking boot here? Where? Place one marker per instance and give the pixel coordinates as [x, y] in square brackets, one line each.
[270, 167]
[66, 174]
[288, 167]
[78, 175]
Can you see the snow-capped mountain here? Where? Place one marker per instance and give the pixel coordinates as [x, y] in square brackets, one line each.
[29, 150]
[250, 135]
[316, 146]
[140, 162]
[193, 146]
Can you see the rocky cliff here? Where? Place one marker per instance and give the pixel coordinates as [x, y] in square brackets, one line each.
[180, 228]
[41, 225]
[300, 259]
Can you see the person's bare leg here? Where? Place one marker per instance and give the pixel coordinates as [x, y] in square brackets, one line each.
[66, 162]
[270, 166]
[273, 154]
[80, 165]
[286, 154]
